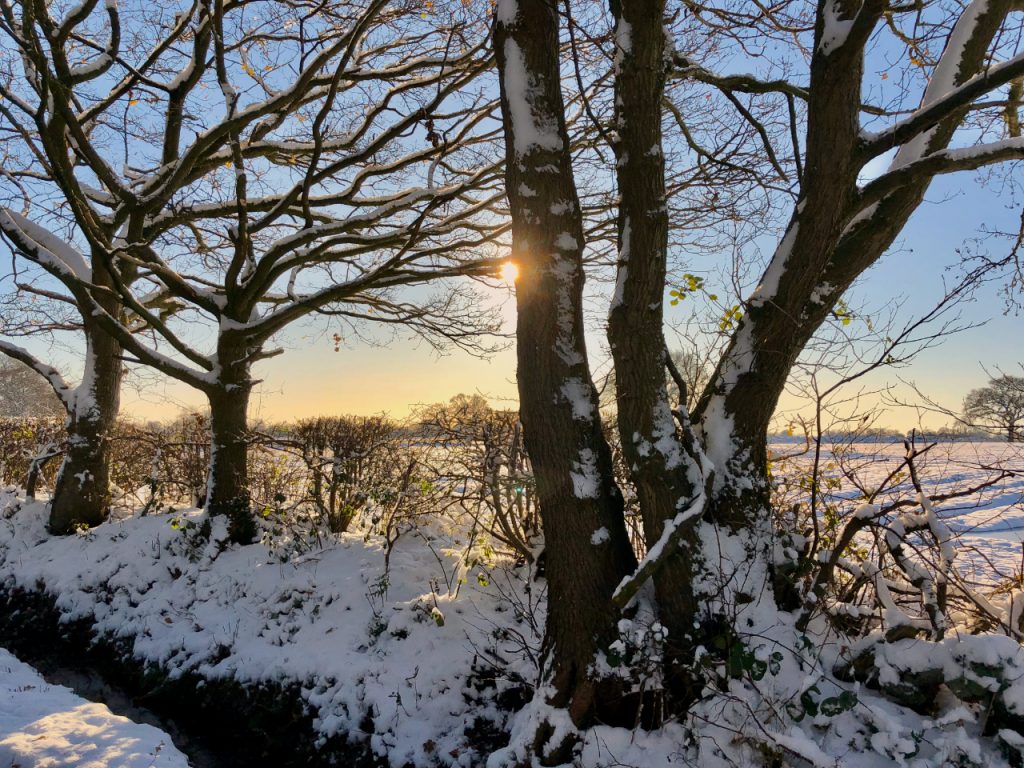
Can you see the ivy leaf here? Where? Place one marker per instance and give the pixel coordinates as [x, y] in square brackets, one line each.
[836, 705]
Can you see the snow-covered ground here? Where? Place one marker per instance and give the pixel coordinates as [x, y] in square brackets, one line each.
[393, 652]
[394, 647]
[46, 726]
[988, 524]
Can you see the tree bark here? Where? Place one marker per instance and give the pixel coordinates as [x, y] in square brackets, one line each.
[81, 494]
[663, 467]
[738, 404]
[228, 482]
[587, 547]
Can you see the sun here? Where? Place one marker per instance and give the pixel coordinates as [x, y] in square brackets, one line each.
[509, 272]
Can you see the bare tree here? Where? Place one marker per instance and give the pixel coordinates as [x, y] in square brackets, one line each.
[702, 478]
[232, 172]
[349, 459]
[840, 227]
[1000, 406]
[480, 451]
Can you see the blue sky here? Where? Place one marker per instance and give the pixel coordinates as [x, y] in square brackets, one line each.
[311, 378]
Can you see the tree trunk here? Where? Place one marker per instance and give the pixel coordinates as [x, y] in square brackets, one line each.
[829, 243]
[81, 495]
[831, 239]
[663, 468]
[738, 404]
[228, 481]
[587, 547]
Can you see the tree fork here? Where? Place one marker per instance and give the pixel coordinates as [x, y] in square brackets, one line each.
[664, 469]
[588, 550]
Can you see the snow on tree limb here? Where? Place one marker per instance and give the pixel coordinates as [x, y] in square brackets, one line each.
[52, 376]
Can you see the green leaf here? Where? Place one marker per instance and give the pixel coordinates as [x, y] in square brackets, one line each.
[758, 668]
[836, 705]
[807, 700]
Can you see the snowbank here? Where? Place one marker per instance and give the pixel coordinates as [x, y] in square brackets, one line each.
[45, 725]
[385, 656]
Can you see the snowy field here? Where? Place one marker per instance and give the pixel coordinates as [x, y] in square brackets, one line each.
[398, 646]
[46, 726]
[988, 524]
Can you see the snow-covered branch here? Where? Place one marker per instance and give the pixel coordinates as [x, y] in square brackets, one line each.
[52, 376]
[939, 108]
[941, 162]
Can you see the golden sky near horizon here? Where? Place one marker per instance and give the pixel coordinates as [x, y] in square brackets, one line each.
[316, 380]
[311, 379]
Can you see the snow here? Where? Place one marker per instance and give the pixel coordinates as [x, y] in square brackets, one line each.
[1013, 144]
[50, 251]
[565, 272]
[393, 651]
[367, 646]
[769, 284]
[986, 529]
[867, 511]
[835, 30]
[82, 402]
[46, 726]
[586, 482]
[73, 13]
[944, 78]
[507, 11]
[566, 242]
[623, 265]
[655, 553]
[665, 439]
[93, 67]
[623, 41]
[51, 374]
[820, 293]
[720, 443]
[578, 394]
[528, 130]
